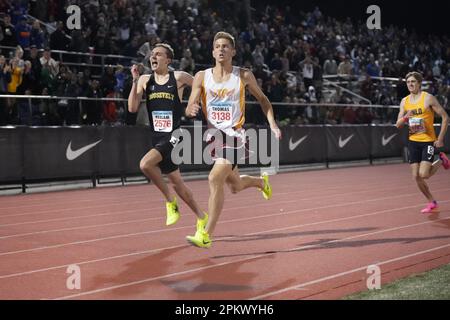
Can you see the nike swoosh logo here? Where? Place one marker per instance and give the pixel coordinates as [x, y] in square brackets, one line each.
[169, 87]
[293, 145]
[73, 154]
[342, 143]
[386, 141]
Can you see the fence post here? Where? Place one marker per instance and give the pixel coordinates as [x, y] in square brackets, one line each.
[30, 108]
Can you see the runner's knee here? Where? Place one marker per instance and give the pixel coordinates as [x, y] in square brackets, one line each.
[145, 165]
[215, 179]
[424, 175]
[235, 187]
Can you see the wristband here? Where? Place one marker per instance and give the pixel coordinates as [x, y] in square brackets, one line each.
[405, 119]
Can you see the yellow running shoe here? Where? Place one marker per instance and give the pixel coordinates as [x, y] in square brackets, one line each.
[172, 212]
[201, 223]
[201, 239]
[267, 190]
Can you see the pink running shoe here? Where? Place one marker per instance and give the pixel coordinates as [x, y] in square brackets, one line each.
[430, 207]
[445, 161]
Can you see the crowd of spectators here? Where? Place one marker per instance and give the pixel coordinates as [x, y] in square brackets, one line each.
[293, 55]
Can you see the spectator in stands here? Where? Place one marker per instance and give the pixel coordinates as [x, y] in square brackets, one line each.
[29, 82]
[9, 32]
[305, 34]
[59, 39]
[151, 27]
[124, 32]
[131, 48]
[367, 87]
[120, 80]
[5, 74]
[37, 36]
[18, 11]
[23, 32]
[275, 63]
[373, 68]
[345, 68]
[307, 69]
[48, 110]
[275, 89]
[72, 89]
[331, 116]
[109, 110]
[364, 115]
[16, 75]
[258, 57]
[5, 78]
[330, 67]
[48, 62]
[311, 112]
[108, 81]
[93, 108]
[349, 115]
[79, 42]
[33, 57]
[187, 62]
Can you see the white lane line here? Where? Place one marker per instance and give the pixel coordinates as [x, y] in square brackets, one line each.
[228, 221]
[241, 260]
[156, 218]
[337, 275]
[374, 187]
[219, 239]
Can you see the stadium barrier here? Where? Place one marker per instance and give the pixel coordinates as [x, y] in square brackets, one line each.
[32, 154]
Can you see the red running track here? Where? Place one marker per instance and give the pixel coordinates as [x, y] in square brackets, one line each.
[313, 240]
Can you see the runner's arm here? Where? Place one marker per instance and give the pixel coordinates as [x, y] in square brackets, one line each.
[183, 79]
[264, 102]
[135, 96]
[193, 106]
[434, 103]
[402, 119]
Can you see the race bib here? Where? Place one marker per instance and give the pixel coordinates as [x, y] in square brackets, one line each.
[162, 121]
[221, 115]
[416, 125]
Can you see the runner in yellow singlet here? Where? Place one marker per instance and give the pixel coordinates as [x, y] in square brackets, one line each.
[417, 110]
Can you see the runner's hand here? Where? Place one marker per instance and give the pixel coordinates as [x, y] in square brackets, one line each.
[438, 143]
[135, 72]
[276, 131]
[192, 110]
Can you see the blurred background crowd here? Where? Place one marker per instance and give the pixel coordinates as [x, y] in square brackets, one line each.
[299, 58]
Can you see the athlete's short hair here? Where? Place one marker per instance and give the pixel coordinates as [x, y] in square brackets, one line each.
[224, 35]
[169, 51]
[416, 75]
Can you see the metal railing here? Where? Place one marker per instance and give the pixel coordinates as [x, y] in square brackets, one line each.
[283, 110]
[89, 57]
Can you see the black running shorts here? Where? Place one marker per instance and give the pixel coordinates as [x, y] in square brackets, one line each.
[420, 151]
[165, 147]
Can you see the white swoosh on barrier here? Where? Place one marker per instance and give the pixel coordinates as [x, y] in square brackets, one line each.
[342, 143]
[73, 154]
[386, 141]
[293, 145]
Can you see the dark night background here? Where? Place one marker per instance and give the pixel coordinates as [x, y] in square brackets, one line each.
[429, 17]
